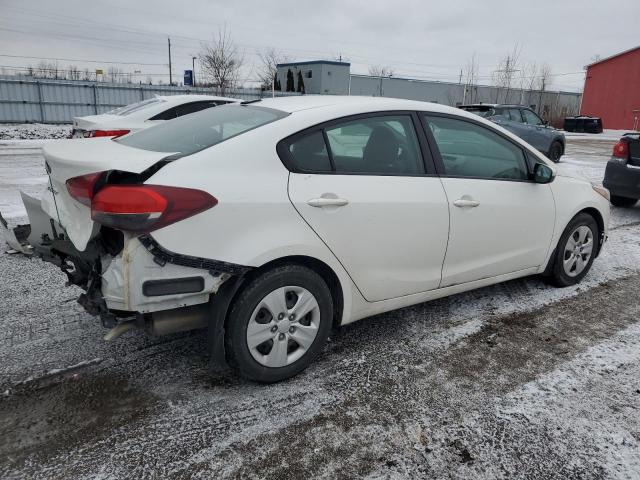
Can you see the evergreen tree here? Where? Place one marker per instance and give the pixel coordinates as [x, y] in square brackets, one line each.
[290, 86]
[276, 82]
[278, 85]
[300, 82]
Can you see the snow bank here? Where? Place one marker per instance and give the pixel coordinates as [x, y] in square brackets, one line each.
[33, 131]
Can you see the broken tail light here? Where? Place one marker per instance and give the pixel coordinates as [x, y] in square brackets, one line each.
[144, 208]
[83, 187]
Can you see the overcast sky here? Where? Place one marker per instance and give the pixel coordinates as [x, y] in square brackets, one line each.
[419, 39]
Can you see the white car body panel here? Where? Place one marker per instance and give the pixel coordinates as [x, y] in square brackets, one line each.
[508, 231]
[511, 234]
[402, 225]
[68, 159]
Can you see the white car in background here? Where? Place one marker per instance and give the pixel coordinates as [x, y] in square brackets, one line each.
[143, 114]
[274, 221]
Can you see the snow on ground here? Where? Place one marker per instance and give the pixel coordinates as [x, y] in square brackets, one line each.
[607, 135]
[33, 131]
[517, 380]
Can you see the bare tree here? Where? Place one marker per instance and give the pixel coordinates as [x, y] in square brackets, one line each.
[505, 74]
[269, 60]
[221, 61]
[544, 77]
[86, 74]
[380, 71]
[73, 72]
[470, 78]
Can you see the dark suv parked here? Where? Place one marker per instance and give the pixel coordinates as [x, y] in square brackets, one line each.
[526, 124]
[622, 176]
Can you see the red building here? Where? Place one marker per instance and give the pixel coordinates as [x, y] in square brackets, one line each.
[612, 90]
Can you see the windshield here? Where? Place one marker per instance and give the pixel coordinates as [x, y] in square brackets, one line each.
[192, 133]
[134, 107]
[482, 111]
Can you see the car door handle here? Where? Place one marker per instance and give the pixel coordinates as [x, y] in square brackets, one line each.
[327, 202]
[464, 202]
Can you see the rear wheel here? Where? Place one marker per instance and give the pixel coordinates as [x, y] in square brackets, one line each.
[623, 201]
[279, 323]
[576, 251]
[555, 152]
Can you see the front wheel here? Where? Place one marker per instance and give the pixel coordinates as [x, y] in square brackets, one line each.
[576, 251]
[623, 201]
[555, 152]
[279, 323]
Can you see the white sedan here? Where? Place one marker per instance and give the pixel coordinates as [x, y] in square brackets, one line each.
[274, 221]
[143, 114]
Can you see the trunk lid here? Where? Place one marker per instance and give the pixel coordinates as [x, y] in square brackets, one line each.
[68, 159]
[90, 122]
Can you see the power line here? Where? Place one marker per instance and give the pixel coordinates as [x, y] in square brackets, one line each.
[83, 60]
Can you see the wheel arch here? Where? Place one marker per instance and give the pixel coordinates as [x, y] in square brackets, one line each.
[597, 216]
[321, 268]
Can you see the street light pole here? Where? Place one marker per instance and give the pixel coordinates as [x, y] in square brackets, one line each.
[193, 70]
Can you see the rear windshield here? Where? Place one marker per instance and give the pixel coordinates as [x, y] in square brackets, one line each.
[483, 112]
[192, 133]
[134, 107]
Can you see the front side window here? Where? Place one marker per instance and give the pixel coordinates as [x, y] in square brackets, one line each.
[470, 150]
[192, 133]
[531, 118]
[514, 115]
[385, 145]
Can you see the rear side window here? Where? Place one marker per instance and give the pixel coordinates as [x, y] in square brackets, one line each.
[192, 133]
[470, 150]
[310, 153]
[531, 118]
[377, 145]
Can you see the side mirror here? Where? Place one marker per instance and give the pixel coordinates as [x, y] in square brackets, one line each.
[542, 173]
[545, 123]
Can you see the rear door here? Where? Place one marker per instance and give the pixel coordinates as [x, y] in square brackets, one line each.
[539, 135]
[501, 222]
[363, 186]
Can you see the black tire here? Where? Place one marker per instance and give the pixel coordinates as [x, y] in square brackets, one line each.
[623, 201]
[555, 151]
[239, 355]
[557, 274]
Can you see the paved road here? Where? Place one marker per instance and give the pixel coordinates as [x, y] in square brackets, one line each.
[518, 380]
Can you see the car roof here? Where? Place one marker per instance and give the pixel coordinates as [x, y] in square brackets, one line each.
[298, 103]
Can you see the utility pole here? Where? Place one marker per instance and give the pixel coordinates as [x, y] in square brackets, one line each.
[193, 71]
[460, 79]
[170, 78]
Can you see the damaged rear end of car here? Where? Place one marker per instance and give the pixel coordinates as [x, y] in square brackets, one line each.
[95, 222]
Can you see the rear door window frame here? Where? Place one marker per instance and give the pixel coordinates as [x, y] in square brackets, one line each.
[427, 164]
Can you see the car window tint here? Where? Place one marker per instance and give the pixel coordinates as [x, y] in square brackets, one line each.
[514, 115]
[193, 107]
[531, 118]
[192, 133]
[310, 154]
[385, 145]
[470, 150]
[168, 114]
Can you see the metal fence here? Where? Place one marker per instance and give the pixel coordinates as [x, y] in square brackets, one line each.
[26, 100]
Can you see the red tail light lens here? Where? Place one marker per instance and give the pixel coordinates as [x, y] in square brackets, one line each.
[621, 150]
[82, 188]
[144, 208]
[107, 133]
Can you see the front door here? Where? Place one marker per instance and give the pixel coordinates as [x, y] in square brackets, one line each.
[361, 185]
[501, 222]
